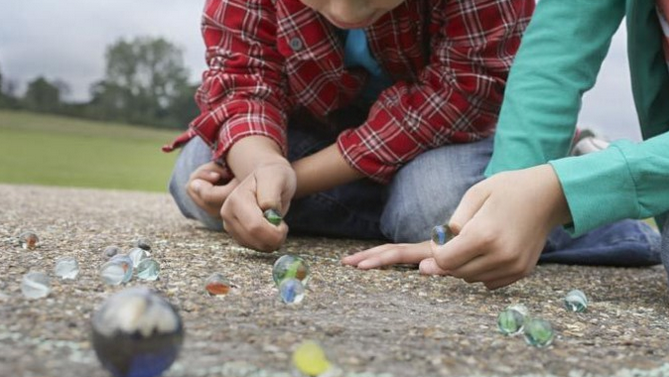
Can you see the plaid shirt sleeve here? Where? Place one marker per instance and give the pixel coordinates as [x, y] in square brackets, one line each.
[457, 96]
[241, 92]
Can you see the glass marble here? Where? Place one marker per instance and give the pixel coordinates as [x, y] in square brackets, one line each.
[273, 216]
[217, 284]
[576, 301]
[136, 333]
[538, 332]
[143, 243]
[66, 268]
[110, 251]
[35, 284]
[291, 291]
[290, 266]
[117, 270]
[28, 240]
[441, 234]
[148, 269]
[511, 320]
[310, 359]
[137, 255]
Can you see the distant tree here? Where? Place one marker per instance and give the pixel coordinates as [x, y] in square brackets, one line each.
[144, 79]
[7, 90]
[42, 96]
[183, 108]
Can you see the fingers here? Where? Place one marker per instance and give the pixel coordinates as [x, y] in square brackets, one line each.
[389, 254]
[215, 195]
[502, 282]
[210, 197]
[245, 222]
[205, 189]
[353, 260]
[470, 204]
[429, 267]
[458, 251]
[261, 236]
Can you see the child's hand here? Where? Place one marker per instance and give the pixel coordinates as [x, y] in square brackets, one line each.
[209, 186]
[268, 186]
[389, 254]
[501, 226]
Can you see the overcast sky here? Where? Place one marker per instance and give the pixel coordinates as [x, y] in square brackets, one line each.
[67, 39]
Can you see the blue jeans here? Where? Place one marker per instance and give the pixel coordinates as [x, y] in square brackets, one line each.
[423, 193]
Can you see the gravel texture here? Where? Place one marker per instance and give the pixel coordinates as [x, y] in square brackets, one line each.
[390, 322]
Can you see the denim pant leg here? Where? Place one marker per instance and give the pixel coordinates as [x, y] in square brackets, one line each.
[351, 210]
[426, 191]
[625, 243]
[195, 153]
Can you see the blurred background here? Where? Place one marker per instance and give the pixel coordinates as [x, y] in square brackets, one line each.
[90, 91]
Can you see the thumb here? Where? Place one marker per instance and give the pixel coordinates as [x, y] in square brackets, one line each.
[471, 202]
[429, 267]
[268, 193]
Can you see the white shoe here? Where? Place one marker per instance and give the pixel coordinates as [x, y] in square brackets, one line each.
[587, 145]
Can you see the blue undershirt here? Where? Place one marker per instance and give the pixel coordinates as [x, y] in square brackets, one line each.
[357, 54]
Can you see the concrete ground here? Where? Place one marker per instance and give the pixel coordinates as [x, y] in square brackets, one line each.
[390, 322]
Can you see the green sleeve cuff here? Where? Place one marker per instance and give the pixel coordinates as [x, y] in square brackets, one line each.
[599, 189]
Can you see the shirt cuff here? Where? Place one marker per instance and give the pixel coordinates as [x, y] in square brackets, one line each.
[361, 155]
[599, 189]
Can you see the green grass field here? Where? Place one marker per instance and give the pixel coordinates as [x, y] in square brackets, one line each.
[60, 151]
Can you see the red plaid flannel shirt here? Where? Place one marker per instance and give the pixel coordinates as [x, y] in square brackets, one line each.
[448, 60]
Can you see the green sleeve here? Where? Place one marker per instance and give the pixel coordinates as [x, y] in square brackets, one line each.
[558, 60]
[626, 180]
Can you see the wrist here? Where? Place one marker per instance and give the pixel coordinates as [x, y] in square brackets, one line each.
[253, 152]
[559, 213]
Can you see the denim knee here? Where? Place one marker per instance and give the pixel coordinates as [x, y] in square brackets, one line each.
[193, 155]
[425, 192]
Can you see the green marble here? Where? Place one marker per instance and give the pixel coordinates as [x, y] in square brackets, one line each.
[273, 216]
[538, 332]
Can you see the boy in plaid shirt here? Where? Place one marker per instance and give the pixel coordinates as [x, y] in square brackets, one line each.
[353, 118]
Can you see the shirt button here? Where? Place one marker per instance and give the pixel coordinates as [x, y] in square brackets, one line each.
[296, 44]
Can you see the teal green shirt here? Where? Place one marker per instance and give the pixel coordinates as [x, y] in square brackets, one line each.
[559, 58]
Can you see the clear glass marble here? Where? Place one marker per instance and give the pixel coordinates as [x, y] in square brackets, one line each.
[148, 269]
[291, 266]
[441, 234]
[273, 216]
[309, 359]
[291, 291]
[137, 255]
[35, 284]
[66, 268]
[110, 251]
[117, 270]
[511, 320]
[28, 240]
[217, 284]
[136, 333]
[538, 332]
[576, 301]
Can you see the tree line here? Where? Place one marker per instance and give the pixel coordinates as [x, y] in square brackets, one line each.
[145, 83]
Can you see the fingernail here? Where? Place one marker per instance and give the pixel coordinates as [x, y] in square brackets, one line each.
[365, 265]
[214, 174]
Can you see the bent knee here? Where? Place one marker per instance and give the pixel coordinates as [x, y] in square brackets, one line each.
[426, 192]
